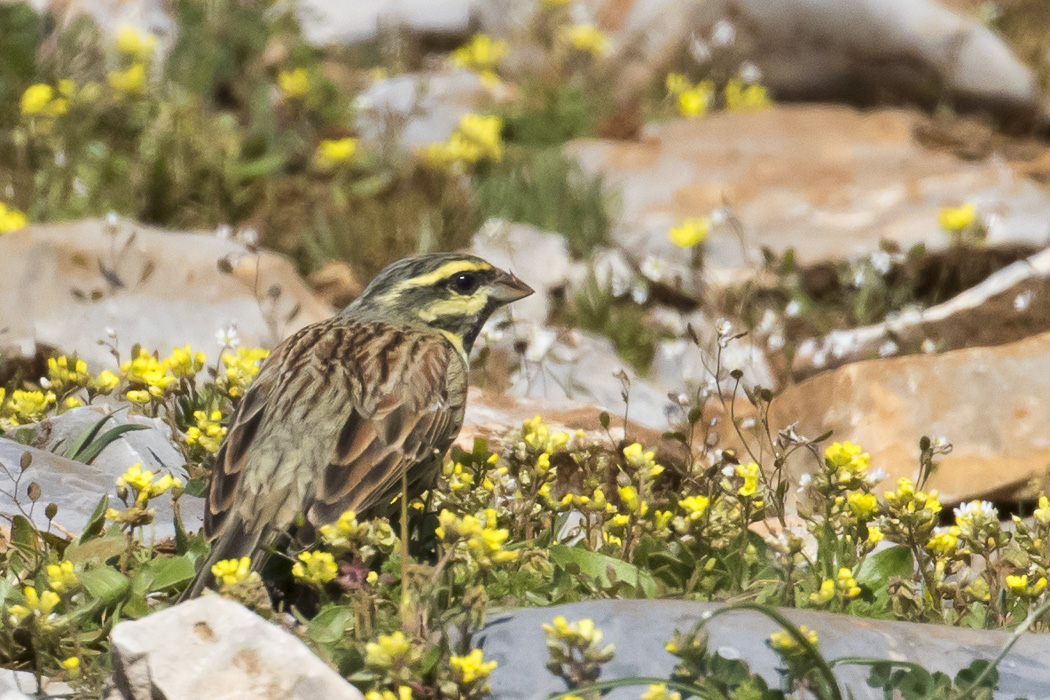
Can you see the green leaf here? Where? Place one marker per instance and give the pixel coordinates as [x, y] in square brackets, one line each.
[596, 565]
[330, 625]
[196, 487]
[169, 571]
[86, 437]
[98, 550]
[96, 522]
[107, 586]
[877, 569]
[109, 437]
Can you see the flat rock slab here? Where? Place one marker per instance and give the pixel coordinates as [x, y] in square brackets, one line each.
[991, 403]
[76, 489]
[830, 182]
[215, 648]
[64, 285]
[640, 628]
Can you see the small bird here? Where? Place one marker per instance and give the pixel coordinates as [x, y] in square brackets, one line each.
[343, 407]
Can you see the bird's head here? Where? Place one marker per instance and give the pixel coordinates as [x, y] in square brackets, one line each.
[450, 292]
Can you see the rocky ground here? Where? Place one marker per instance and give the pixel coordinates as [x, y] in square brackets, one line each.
[855, 307]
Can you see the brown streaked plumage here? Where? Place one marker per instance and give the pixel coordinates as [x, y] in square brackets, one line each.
[341, 408]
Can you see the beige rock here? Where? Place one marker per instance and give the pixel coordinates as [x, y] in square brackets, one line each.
[63, 285]
[830, 182]
[991, 403]
[215, 648]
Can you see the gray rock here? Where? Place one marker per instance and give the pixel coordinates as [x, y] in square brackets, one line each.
[212, 647]
[582, 367]
[915, 50]
[639, 629]
[418, 109]
[326, 22]
[63, 285]
[15, 684]
[539, 257]
[829, 182]
[76, 489]
[152, 447]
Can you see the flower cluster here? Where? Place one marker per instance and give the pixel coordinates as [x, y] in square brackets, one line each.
[135, 51]
[691, 100]
[141, 486]
[332, 153]
[574, 650]
[475, 538]
[315, 568]
[477, 139]
[366, 539]
[11, 219]
[241, 367]
[690, 233]
[208, 432]
[586, 38]
[23, 406]
[482, 54]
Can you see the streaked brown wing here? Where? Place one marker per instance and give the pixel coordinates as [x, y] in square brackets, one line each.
[241, 432]
[406, 423]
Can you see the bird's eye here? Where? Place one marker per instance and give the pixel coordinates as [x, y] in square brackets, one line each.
[464, 283]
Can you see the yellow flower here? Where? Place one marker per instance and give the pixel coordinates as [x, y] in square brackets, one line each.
[130, 81]
[658, 691]
[208, 432]
[11, 219]
[106, 382]
[847, 584]
[874, 536]
[588, 38]
[295, 84]
[944, 541]
[695, 101]
[64, 373]
[676, 83]
[750, 473]
[315, 568]
[825, 594]
[741, 98]
[241, 369]
[388, 650]
[40, 100]
[690, 233]
[62, 577]
[694, 506]
[481, 53]
[138, 45]
[139, 396]
[785, 643]
[863, 505]
[232, 571]
[471, 668]
[72, 664]
[184, 362]
[332, 152]
[957, 219]
[28, 406]
[1017, 584]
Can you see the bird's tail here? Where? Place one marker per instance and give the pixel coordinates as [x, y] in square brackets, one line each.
[232, 542]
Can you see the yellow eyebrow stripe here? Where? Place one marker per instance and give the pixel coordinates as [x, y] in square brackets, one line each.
[446, 270]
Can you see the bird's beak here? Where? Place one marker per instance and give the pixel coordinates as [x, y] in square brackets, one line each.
[508, 288]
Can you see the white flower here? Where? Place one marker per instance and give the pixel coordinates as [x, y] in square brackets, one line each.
[888, 348]
[928, 346]
[723, 34]
[227, 337]
[1022, 300]
[881, 261]
[652, 267]
[699, 50]
[749, 72]
[112, 219]
[640, 292]
[804, 481]
[792, 309]
[223, 232]
[775, 342]
[540, 344]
